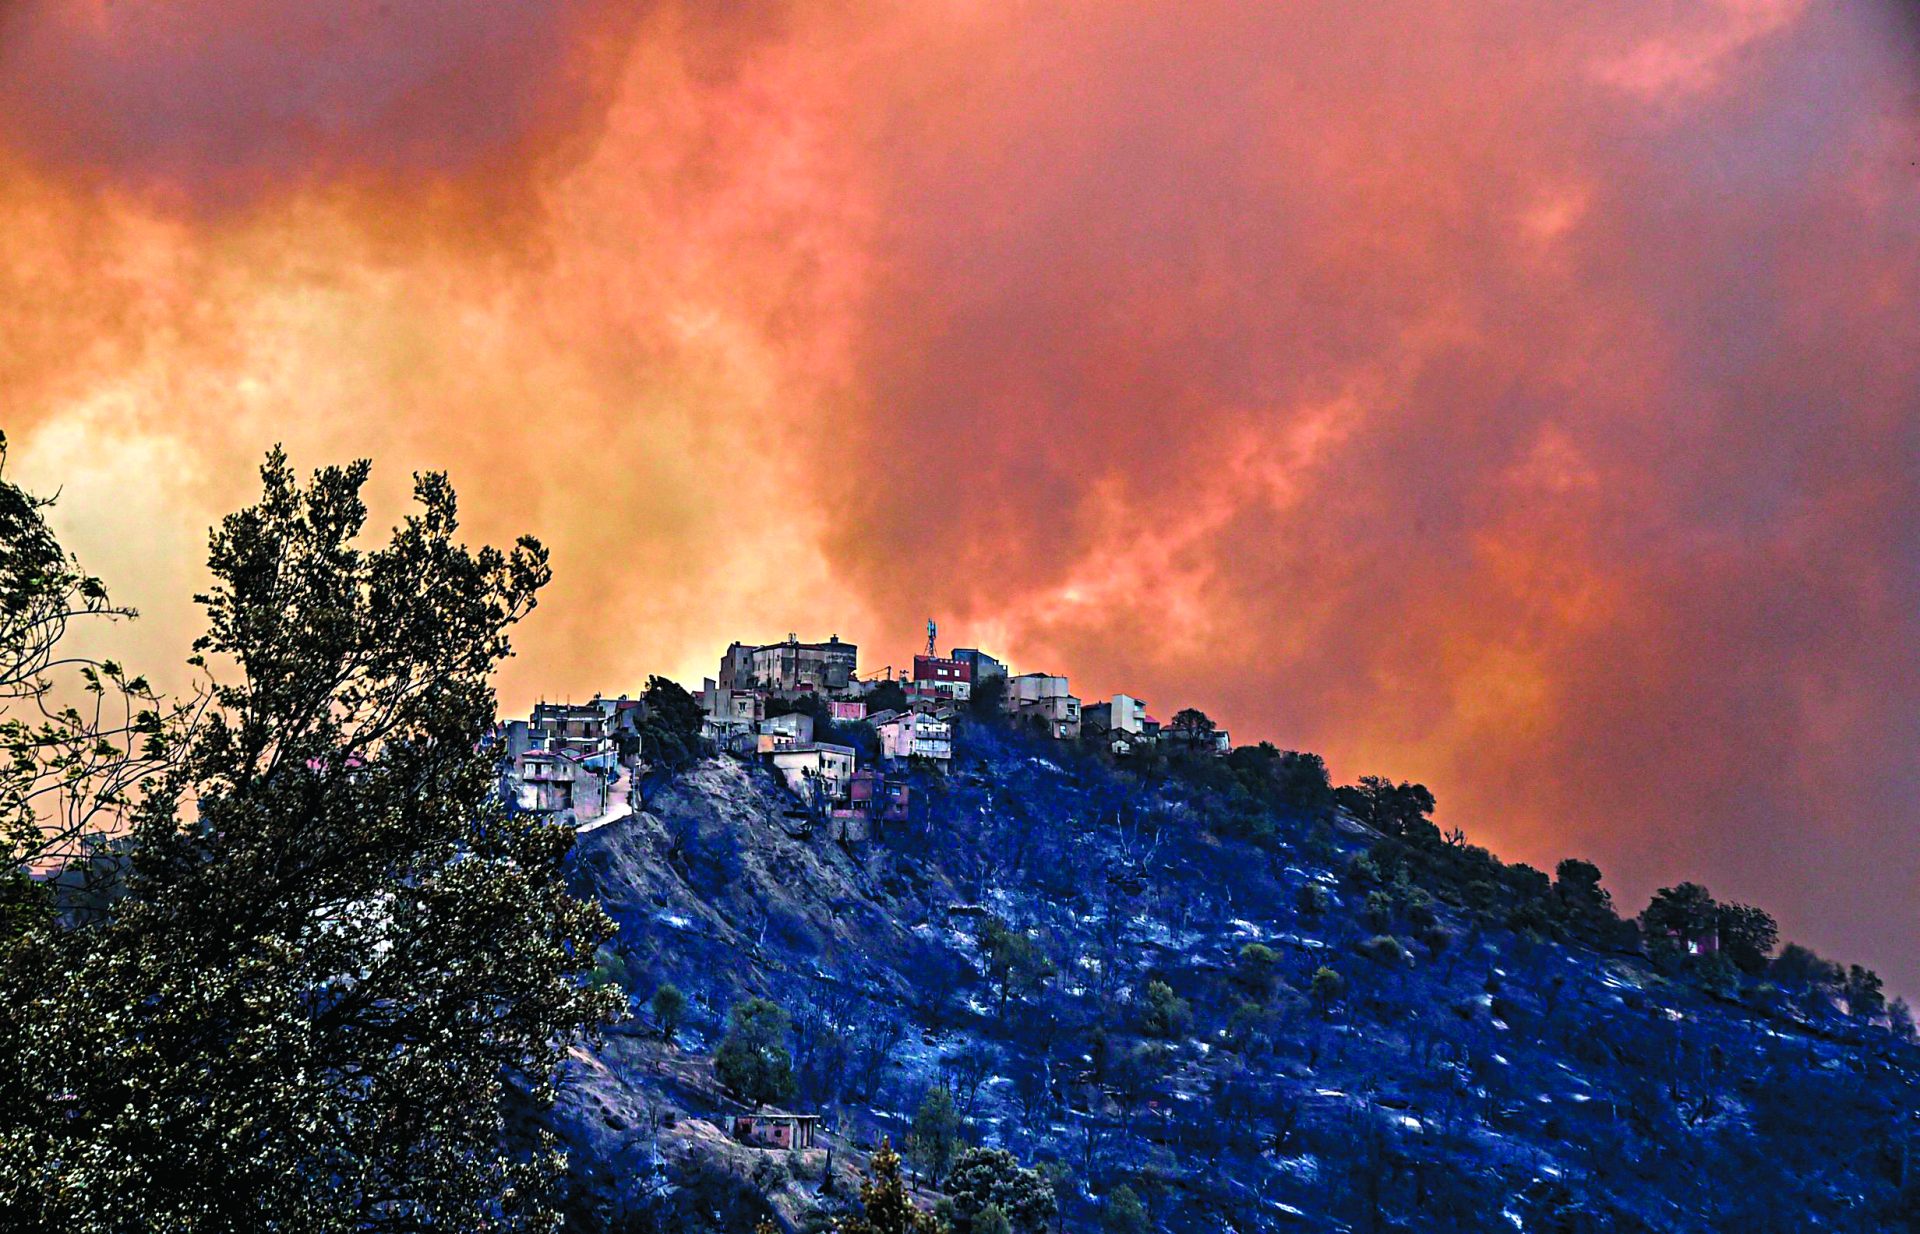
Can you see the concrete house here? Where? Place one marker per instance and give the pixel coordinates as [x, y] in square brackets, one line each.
[790, 666]
[1058, 715]
[815, 766]
[558, 783]
[777, 1129]
[1033, 688]
[782, 732]
[914, 734]
[943, 678]
[875, 796]
[981, 665]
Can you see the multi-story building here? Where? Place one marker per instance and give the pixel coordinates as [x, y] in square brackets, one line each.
[579, 728]
[874, 796]
[1031, 688]
[981, 665]
[943, 678]
[558, 783]
[914, 734]
[1057, 714]
[791, 666]
[1123, 714]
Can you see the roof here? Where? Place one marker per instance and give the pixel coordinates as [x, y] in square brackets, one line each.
[770, 1112]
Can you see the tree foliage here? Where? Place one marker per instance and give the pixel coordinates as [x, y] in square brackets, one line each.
[886, 1207]
[670, 733]
[936, 1132]
[1747, 936]
[1403, 809]
[668, 1006]
[1015, 961]
[753, 1060]
[984, 1178]
[1193, 721]
[336, 956]
[1685, 913]
[80, 737]
[1162, 1012]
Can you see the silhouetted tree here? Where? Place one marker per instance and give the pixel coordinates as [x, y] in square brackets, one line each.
[337, 954]
[1403, 809]
[1685, 913]
[1747, 936]
[670, 734]
[1865, 996]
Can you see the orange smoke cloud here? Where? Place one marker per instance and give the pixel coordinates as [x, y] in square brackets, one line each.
[1523, 400]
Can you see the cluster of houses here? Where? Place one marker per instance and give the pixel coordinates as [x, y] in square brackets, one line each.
[573, 760]
[754, 706]
[781, 701]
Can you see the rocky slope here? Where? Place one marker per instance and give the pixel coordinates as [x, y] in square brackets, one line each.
[1475, 1064]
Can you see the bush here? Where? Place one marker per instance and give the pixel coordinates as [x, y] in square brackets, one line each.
[1386, 950]
[1329, 987]
[1123, 1213]
[1258, 969]
[1164, 1013]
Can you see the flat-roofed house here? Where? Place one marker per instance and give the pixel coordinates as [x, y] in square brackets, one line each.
[816, 766]
[777, 1129]
[914, 734]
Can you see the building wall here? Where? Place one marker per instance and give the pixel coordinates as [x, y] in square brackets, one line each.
[915, 734]
[982, 665]
[794, 665]
[833, 766]
[1032, 687]
[795, 726]
[943, 677]
[1129, 714]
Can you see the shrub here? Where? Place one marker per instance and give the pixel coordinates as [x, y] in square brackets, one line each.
[1385, 950]
[1164, 1013]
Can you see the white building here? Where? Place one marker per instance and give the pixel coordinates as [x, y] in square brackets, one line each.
[1127, 714]
[914, 734]
[779, 732]
[1033, 688]
[817, 764]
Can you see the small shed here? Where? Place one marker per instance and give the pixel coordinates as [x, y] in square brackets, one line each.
[777, 1129]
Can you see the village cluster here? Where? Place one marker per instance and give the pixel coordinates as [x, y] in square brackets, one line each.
[780, 701]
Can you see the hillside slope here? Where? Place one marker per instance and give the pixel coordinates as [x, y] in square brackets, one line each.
[1305, 1028]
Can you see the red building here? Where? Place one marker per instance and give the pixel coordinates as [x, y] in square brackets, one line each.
[943, 677]
[872, 795]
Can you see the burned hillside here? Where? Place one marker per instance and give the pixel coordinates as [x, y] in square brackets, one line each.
[1212, 988]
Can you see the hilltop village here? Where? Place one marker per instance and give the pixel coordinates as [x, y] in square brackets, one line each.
[841, 742]
[1060, 965]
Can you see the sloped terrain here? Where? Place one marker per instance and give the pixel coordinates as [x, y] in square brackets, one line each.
[1312, 1027]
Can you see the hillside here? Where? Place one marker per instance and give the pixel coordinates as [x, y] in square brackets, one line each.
[1253, 1013]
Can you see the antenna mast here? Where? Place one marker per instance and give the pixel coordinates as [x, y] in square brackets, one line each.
[931, 631]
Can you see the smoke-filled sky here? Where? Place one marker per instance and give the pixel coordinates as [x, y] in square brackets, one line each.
[1520, 398]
